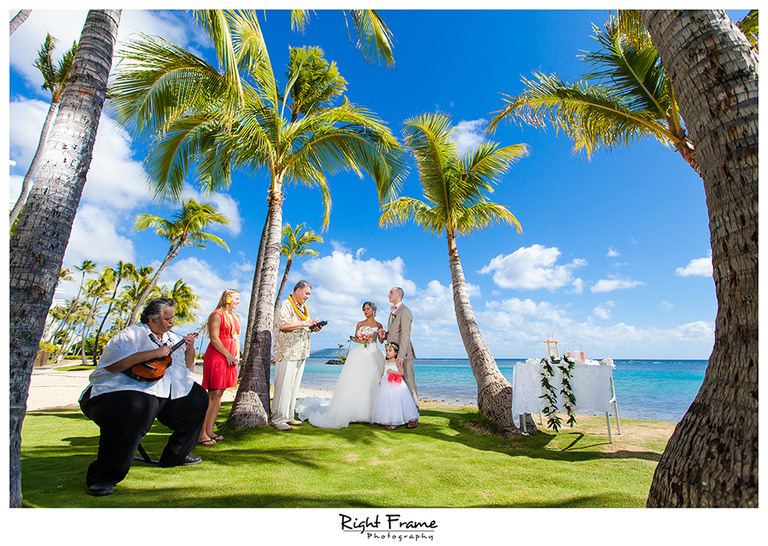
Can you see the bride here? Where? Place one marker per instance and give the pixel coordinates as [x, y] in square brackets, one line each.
[357, 384]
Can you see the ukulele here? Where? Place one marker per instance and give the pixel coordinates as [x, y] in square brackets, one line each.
[154, 368]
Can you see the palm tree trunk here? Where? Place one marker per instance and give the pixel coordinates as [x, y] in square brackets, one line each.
[84, 334]
[18, 19]
[40, 239]
[282, 283]
[251, 405]
[711, 459]
[104, 320]
[494, 392]
[252, 306]
[27, 183]
[172, 252]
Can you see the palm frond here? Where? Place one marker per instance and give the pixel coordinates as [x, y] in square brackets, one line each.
[483, 214]
[374, 37]
[402, 209]
[299, 19]
[591, 115]
[175, 151]
[489, 163]
[750, 26]
[215, 23]
[157, 81]
[634, 73]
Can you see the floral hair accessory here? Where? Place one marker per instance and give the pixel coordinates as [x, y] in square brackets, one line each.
[229, 299]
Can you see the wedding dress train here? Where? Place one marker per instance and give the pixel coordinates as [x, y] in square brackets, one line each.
[353, 395]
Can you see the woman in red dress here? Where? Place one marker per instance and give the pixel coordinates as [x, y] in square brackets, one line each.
[220, 360]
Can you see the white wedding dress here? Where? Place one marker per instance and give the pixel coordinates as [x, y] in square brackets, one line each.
[355, 389]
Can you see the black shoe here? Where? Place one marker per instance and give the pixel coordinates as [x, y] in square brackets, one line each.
[189, 460]
[100, 489]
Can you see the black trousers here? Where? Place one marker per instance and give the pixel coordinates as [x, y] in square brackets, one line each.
[124, 417]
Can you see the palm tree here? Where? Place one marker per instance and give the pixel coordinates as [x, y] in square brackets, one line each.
[712, 457]
[123, 270]
[97, 290]
[626, 97]
[18, 19]
[455, 190]
[186, 301]
[86, 267]
[55, 81]
[186, 229]
[295, 243]
[199, 117]
[139, 279]
[53, 201]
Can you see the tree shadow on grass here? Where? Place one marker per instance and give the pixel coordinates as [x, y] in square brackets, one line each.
[473, 430]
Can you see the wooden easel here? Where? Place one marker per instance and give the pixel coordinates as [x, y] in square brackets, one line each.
[549, 343]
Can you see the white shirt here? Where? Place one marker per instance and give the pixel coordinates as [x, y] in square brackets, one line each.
[393, 311]
[176, 383]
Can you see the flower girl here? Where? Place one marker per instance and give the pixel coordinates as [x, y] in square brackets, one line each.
[394, 404]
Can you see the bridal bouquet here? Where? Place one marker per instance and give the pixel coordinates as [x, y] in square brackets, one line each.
[364, 335]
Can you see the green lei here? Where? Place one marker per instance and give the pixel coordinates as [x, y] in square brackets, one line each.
[550, 392]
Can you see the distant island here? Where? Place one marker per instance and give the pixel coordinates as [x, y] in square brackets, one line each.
[328, 353]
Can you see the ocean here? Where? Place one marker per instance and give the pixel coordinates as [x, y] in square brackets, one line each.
[651, 390]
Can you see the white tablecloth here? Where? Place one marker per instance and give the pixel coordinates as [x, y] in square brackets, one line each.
[590, 385]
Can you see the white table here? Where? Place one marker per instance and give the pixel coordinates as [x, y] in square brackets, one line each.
[591, 385]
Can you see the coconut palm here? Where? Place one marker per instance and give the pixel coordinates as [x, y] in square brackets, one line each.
[85, 268]
[625, 97]
[198, 118]
[712, 457]
[456, 203]
[185, 229]
[55, 81]
[123, 270]
[18, 19]
[53, 200]
[97, 290]
[138, 280]
[295, 243]
[186, 302]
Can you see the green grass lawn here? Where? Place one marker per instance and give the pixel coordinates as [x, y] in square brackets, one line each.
[450, 460]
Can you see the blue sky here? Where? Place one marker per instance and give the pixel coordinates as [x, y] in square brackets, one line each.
[614, 253]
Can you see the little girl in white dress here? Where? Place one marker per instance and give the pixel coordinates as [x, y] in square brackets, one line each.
[394, 405]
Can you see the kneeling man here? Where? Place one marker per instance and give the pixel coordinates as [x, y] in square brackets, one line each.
[124, 408]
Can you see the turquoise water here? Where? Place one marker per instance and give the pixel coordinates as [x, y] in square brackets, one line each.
[653, 390]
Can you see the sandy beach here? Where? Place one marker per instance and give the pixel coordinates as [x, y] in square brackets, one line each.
[52, 388]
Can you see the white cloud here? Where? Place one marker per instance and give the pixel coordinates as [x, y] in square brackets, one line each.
[207, 283]
[612, 253]
[531, 268]
[700, 267]
[603, 311]
[66, 26]
[614, 282]
[115, 180]
[95, 236]
[468, 135]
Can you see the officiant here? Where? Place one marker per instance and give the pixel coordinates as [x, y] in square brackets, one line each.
[293, 328]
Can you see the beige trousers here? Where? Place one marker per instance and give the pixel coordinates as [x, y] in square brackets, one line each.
[410, 379]
[287, 378]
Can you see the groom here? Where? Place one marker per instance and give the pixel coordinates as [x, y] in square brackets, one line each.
[399, 331]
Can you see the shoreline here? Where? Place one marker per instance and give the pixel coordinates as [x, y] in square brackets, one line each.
[50, 388]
